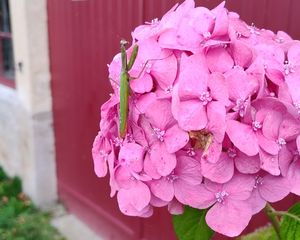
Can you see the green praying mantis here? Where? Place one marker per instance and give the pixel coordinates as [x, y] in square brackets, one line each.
[125, 77]
[124, 85]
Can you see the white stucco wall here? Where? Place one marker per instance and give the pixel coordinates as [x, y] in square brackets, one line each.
[26, 121]
[13, 132]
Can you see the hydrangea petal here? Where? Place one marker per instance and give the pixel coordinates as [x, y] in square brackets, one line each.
[269, 146]
[218, 87]
[150, 168]
[175, 207]
[193, 77]
[164, 161]
[188, 169]
[159, 114]
[247, 164]
[139, 195]
[270, 128]
[100, 165]
[126, 207]
[131, 155]
[294, 53]
[213, 152]
[240, 214]
[289, 128]
[269, 162]
[240, 186]
[203, 20]
[256, 202]
[243, 137]
[221, 24]
[274, 188]
[188, 173]
[164, 69]
[141, 85]
[162, 188]
[192, 115]
[187, 36]
[285, 157]
[175, 138]
[200, 197]
[123, 177]
[221, 171]
[241, 53]
[294, 177]
[216, 124]
[219, 60]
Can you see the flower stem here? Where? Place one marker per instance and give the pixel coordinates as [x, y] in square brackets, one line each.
[273, 218]
[283, 213]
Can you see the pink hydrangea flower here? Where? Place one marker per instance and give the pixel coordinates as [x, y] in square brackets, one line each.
[268, 188]
[213, 121]
[164, 135]
[198, 91]
[177, 184]
[230, 213]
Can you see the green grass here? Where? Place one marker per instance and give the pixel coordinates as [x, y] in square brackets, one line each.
[19, 218]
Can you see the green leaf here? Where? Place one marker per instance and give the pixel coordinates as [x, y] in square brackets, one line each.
[290, 227]
[191, 225]
[263, 233]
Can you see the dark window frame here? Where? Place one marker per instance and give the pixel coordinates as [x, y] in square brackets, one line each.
[6, 34]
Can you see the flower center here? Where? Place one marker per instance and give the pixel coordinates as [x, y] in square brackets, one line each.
[172, 177]
[288, 67]
[129, 138]
[191, 152]
[253, 29]
[103, 154]
[118, 142]
[297, 105]
[154, 25]
[231, 152]
[169, 89]
[221, 196]
[256, 125]
[147, 66]
[237, 66]
[240, 106]
[265, 64]
[207, 35]
[159, 134]
[155, 22]
[258, 181]
[281, 142]
[279, 40]
[205, 98]
[272, 94]
[147, 149]
[238, 34]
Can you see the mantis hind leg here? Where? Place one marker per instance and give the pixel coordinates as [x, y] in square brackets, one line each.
[145, 65]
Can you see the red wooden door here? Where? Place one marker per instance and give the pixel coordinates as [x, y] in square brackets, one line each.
[81, 46]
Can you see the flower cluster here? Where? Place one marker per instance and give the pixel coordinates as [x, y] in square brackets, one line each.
[213, 119]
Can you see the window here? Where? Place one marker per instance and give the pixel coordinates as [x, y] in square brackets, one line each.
[7, 73]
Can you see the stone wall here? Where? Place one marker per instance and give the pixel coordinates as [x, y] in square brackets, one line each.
[26, 121]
